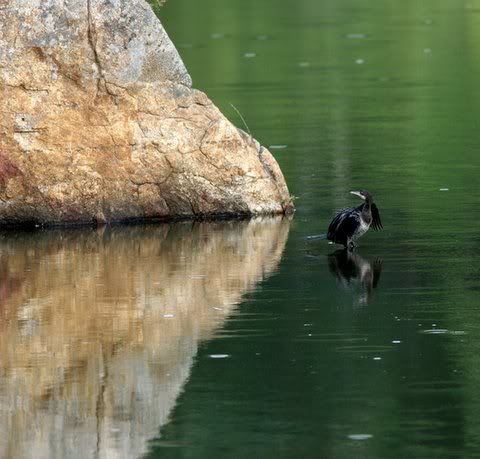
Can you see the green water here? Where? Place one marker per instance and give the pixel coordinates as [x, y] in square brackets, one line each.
[377, 95]
[238, 339]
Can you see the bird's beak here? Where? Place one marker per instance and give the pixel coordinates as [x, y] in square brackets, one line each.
[357, 193]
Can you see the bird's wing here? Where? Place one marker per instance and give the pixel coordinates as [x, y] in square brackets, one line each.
[335, 223]
[343, 225]
[376, 222]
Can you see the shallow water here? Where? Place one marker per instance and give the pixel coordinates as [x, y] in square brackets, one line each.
[237, 338]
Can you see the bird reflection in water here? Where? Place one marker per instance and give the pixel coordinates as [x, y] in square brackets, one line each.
[355, 273]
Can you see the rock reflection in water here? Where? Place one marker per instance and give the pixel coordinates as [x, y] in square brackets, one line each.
[355, 273]
[98, 330]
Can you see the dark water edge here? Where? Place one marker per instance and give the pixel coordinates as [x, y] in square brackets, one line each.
[32, 225]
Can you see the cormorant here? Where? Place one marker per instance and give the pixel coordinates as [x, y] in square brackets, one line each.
[349, 224]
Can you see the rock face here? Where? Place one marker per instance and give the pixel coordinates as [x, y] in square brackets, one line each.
[98, 122]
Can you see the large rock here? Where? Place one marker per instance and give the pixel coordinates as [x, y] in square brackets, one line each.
[99, 123]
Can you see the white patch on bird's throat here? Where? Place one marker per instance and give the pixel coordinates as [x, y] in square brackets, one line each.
[362, 229]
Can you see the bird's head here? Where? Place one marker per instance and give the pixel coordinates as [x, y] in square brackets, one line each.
[364, 194]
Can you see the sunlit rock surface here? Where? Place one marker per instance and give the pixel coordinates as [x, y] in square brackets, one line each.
[98, 122]
[98, 330]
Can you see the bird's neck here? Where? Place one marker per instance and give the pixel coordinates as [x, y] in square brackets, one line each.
[366, 205]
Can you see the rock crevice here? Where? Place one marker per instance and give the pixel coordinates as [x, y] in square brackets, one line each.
[98, 122]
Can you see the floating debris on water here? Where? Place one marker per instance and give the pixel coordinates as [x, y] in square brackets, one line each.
[444, 189]
[360, 436]
[356, 36]
[304, 64]
[377, 358]
[216, 36]
[396, 341]
[277, 147]
[359, 61]
[168, 316]
[219, 356]
[249, 55]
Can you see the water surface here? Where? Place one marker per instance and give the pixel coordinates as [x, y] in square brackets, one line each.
[99, 329]
[240, 338]
[376, 355]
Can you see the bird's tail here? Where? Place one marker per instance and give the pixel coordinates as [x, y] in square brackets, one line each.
[317, 237]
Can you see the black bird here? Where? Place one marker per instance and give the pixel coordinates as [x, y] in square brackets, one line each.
[349, 224]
